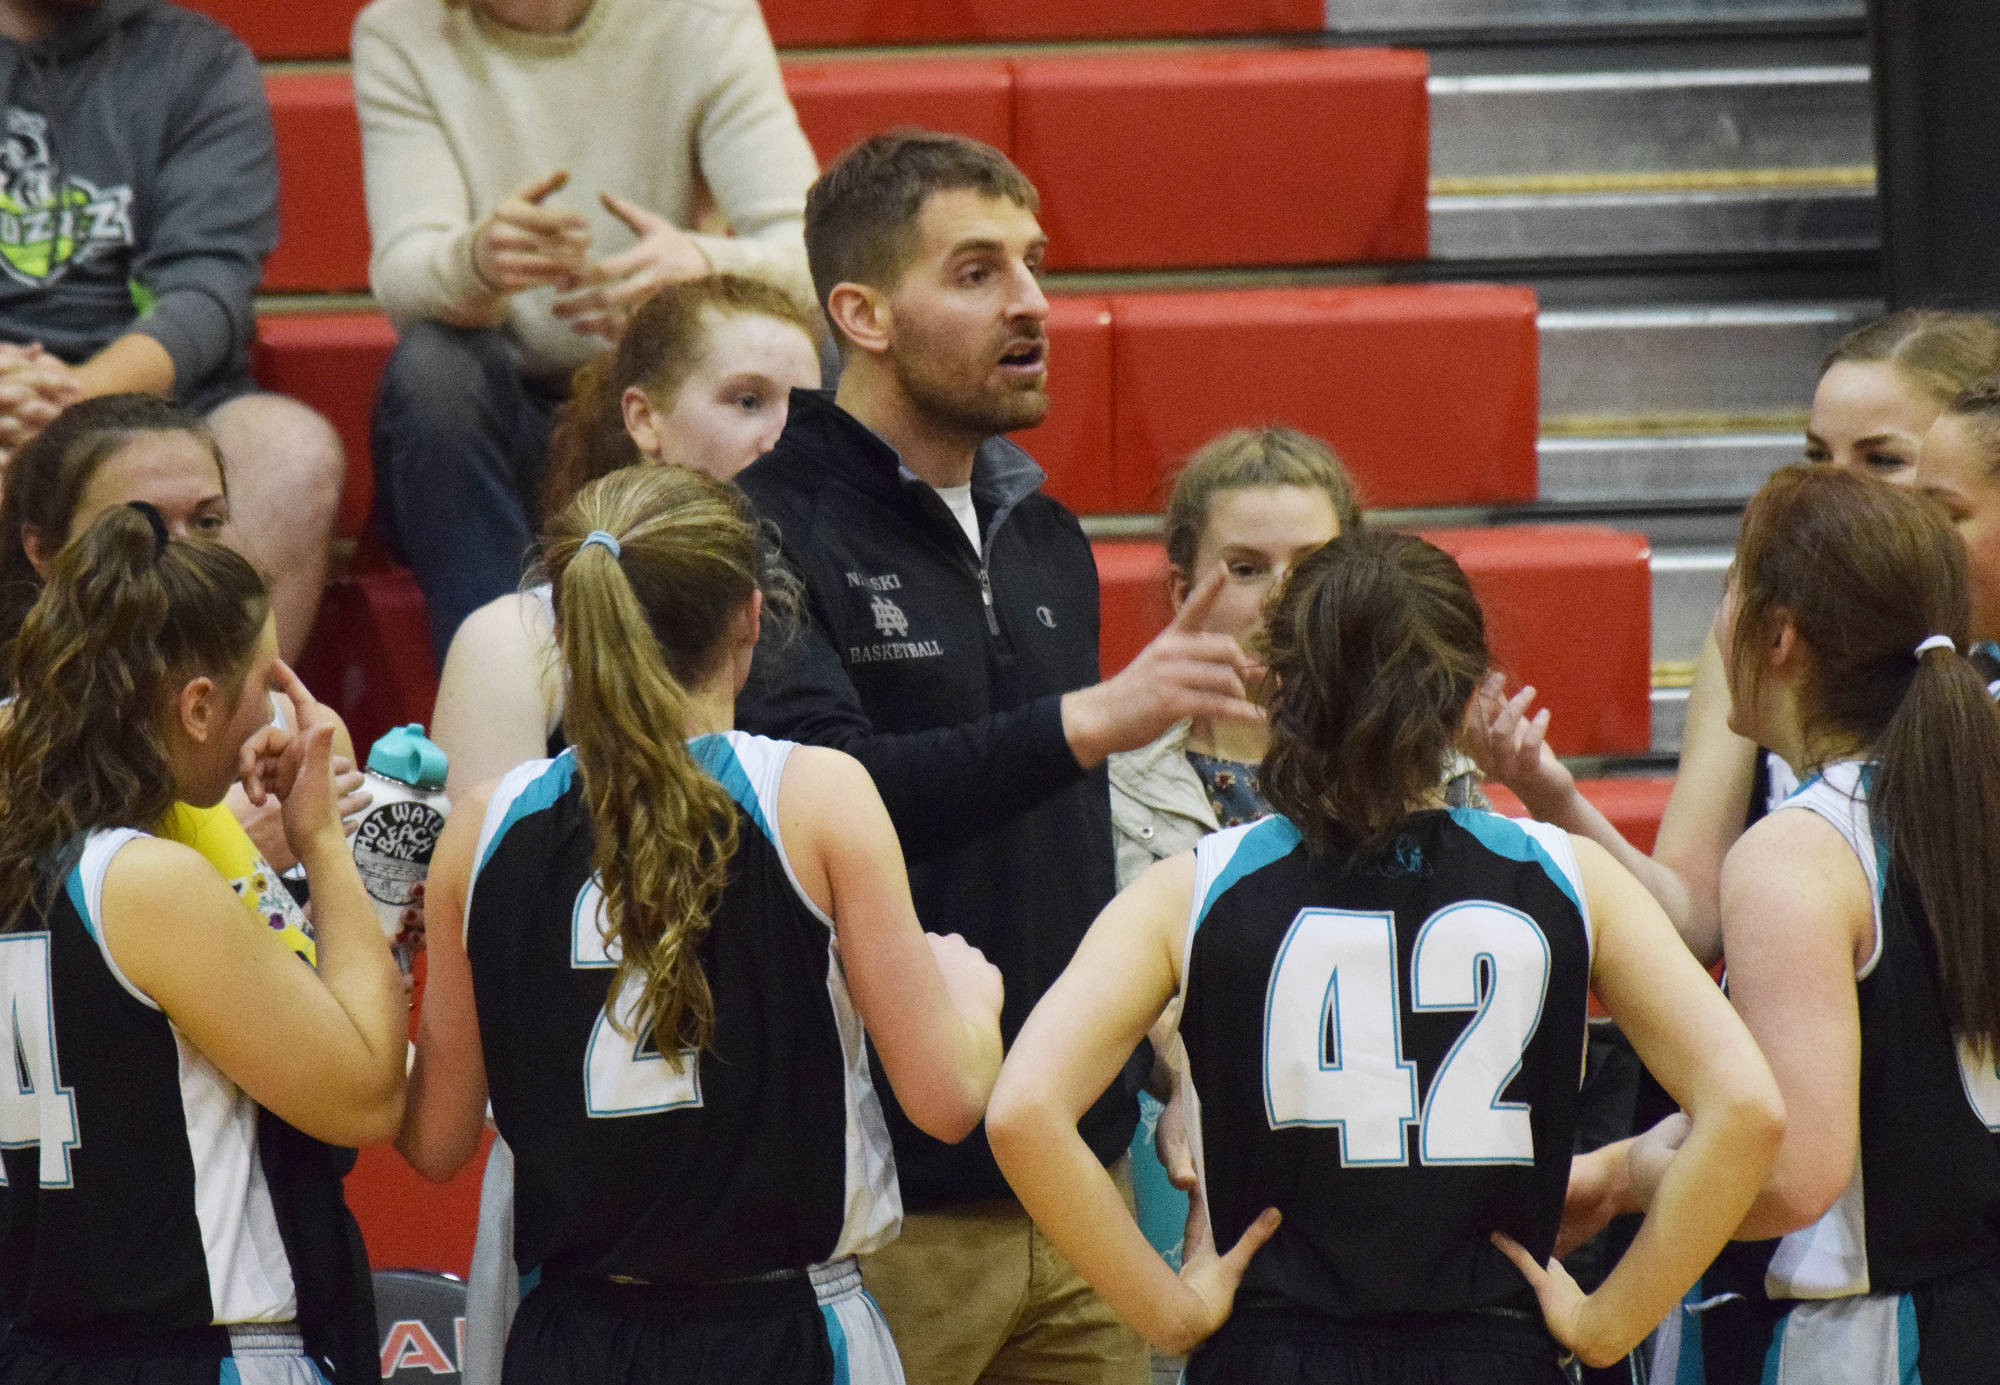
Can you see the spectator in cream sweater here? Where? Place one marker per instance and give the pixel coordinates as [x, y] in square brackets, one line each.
[534, 168]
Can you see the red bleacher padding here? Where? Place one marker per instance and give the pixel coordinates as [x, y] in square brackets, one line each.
[1161, 160]
[408, 1223]
[1144, 160]
[370, 654]
[275, 29]
[322, 220]
[841, 23]
[843, 101]
[1133, 604]
[1428, 391]
[331, 361]
[320, 29]
[1634, 804]
[1074, 443]
[1568, 608]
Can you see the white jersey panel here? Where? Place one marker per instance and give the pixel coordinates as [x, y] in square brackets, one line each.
[1829, 1259]
[249, 1275]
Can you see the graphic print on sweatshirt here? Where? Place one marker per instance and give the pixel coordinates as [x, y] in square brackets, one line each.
[50, 221]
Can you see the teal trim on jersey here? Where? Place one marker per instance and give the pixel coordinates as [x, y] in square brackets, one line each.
[1906, 1340]
[1506, 838]
[716, 755]
[530, 1279]
[229, 1374]
[1273, 839]
[538, 793]
[1689, 1367]
[836, 1337]
[73, 886]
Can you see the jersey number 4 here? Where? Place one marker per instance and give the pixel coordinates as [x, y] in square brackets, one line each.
[624, 1076]
[1333, 1043]
[36, 1110]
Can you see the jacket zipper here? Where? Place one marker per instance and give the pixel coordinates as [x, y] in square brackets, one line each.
[986, 597]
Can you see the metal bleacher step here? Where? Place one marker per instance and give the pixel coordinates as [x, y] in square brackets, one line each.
[1555, 165]
[1703, 368]
[1416, 20]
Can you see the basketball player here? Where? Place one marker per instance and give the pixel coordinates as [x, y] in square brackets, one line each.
[1382, 1019]
[1859, 922]
[144, 1015]
[656, 952]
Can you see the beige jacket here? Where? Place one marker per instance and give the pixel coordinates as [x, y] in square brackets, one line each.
[676, 105]
[1158, 805]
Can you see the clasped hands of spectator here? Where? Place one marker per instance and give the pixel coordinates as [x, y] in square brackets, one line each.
[35, 386]
[523, 244]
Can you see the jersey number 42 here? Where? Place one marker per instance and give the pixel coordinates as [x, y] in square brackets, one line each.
[1333, 1043]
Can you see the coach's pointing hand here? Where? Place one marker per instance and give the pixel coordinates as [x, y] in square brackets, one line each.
[1184, 672]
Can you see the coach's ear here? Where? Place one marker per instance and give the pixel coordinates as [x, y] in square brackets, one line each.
[861, 316]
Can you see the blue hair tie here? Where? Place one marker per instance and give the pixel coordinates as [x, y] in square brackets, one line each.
[602, 540]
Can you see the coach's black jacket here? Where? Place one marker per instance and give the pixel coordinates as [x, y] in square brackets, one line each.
[942, 674]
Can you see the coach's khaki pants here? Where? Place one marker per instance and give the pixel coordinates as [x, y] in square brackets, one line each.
[977, 1293]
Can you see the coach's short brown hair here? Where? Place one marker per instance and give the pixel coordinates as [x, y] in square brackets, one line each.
[861, 216]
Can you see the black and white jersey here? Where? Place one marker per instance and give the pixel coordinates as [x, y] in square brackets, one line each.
[1924, 1202]
[765, 1152]
[1389, 1052]
[133, 1199]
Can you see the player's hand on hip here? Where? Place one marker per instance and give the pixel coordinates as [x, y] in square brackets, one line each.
[663, 254]
[1214, 1278]
[522, 244]
[974, 984]
[1565, 1306]
[1185, 672]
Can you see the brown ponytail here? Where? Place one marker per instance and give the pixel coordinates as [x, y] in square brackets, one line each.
[658, 350]
[1375, 645]
[637, 628]
[123, 623]
[1866, 571]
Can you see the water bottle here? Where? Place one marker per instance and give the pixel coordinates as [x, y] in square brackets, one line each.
[398, 832]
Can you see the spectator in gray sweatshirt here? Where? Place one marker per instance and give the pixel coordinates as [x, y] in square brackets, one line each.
[138, 199]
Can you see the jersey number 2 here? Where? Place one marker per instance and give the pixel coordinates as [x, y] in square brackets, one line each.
[1333, 1043]
[621, 1076]
[36, 1110]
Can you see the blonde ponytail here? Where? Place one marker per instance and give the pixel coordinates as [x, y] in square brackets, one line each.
[639, 621]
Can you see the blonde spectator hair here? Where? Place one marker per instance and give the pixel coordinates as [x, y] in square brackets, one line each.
[1273, 456]
[1942, 353]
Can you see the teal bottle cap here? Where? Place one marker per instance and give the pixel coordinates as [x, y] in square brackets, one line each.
[410, 757]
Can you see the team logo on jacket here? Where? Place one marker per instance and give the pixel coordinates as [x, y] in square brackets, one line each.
[893, 626]
[48, 220]
[889, 618]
